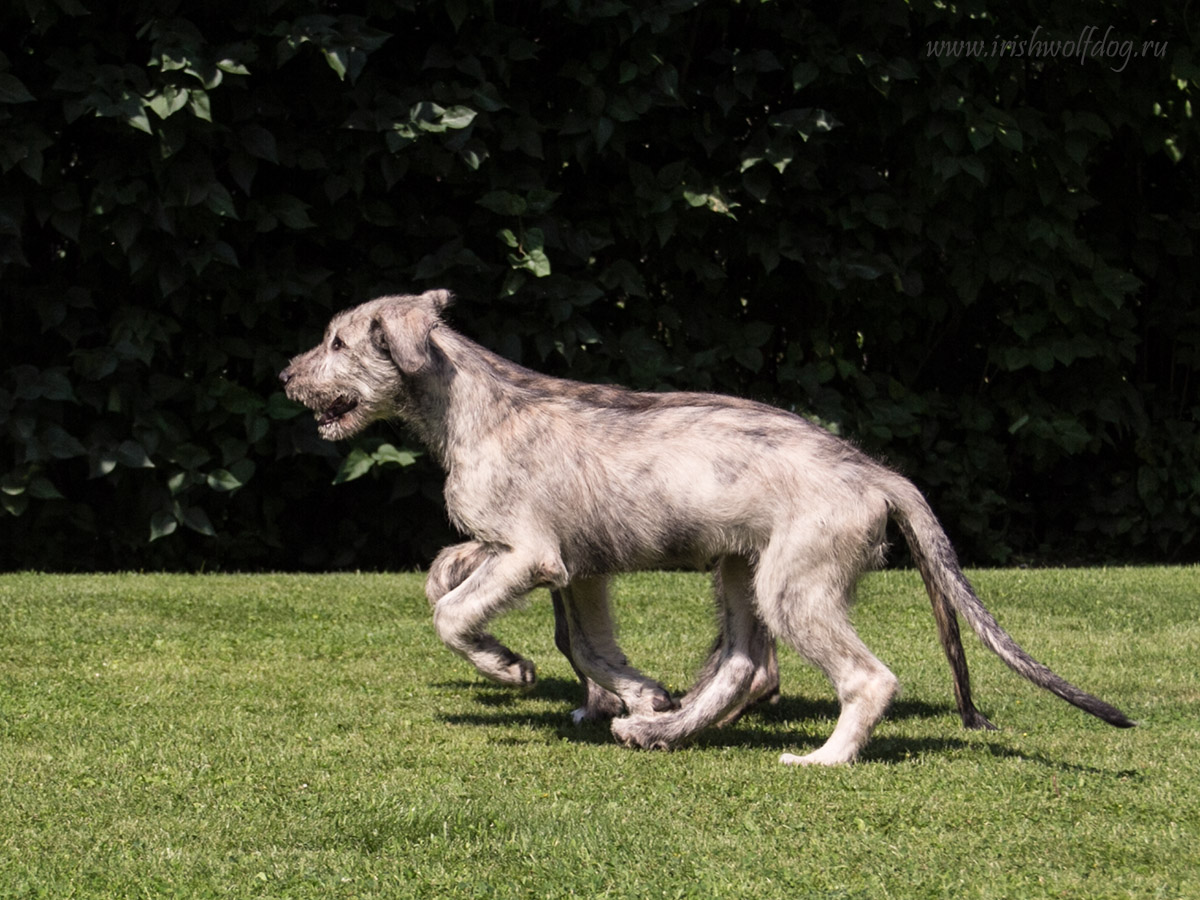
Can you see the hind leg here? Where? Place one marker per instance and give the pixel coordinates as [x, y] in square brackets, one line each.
[727, 679]
[809, 610]
[764, 688]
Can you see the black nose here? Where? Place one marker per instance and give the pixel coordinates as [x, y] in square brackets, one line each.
[286, 375]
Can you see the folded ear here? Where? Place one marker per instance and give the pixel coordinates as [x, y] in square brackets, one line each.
[405, 325]
[438, 299]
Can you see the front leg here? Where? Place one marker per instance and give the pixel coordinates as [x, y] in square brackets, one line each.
[452, 566]
[598, 703]
[594, 651]
[470, 584]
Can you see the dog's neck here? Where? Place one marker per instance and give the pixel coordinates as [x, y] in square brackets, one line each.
[446, 409]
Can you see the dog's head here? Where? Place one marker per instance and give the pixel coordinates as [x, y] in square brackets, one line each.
[364, 366]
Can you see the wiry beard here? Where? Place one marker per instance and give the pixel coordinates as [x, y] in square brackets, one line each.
[341, 418]
[339, 415]
[347, 389]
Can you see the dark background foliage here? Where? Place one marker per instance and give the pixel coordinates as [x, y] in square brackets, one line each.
[976, 261]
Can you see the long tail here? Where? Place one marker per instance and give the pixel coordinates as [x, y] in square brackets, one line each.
[949, 591]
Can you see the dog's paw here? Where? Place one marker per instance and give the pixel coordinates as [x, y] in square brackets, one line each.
[662, 701]
[653, 699]
[601, 705]
[522, 673]
[639, 732]
[816, 758]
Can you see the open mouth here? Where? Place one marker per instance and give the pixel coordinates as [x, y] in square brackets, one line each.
[337, 410]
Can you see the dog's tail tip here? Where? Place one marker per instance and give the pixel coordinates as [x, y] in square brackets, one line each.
[1120, 720]
[1105, 712]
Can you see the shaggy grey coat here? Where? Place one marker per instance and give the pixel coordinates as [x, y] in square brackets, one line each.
[560, 484]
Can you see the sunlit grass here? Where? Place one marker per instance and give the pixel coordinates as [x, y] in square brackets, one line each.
[299, 736]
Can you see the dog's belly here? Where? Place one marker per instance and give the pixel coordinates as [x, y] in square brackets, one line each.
[655, 526]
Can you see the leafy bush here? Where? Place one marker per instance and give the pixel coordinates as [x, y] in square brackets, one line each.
[975, 263]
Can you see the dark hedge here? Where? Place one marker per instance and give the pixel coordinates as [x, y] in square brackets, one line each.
[974, 257]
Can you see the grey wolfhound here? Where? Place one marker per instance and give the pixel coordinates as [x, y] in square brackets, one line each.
[561, 484]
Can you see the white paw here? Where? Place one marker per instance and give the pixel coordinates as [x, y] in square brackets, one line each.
[812, 759]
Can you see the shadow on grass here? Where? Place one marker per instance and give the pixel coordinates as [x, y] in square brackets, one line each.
[793, 724]
[570, 693]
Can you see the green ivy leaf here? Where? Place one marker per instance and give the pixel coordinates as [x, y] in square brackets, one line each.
[12, 90]
[804, 74]
[162, 524]
[539, 200]
[232, 66]
[132, 455]
[358, 462]
[196, 519]
[220, 201]
[389, 454]
[14, 506]
[138, 119]
[602, 131]
[750, 357]
[293, 212]
[1115, 284]
[223, 480]
[458, 117]
[53, 384]
[338, 59]
[504, 203]
[100, 462]
[60, 444]
[260, 143]
[200, 105]
[41, 488]
[280, 407]
[168, 100]
[538, 263]
[973, 166]
[1010, 138]
[980, 136]
[189, 456]
[13, 483]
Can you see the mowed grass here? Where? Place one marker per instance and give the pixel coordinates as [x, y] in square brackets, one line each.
[308, 737]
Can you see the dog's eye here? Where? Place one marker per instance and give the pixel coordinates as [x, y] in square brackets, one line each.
[337, 343]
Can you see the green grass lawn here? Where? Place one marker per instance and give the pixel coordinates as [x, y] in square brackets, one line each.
[296, 736]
